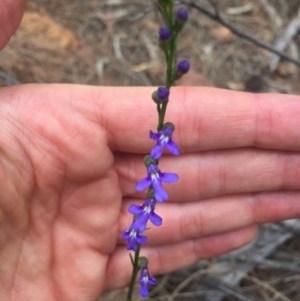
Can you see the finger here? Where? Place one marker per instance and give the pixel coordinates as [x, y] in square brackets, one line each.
[168, 258]
[210, 174]
[11, 12]
[205, 119]
[193, 220]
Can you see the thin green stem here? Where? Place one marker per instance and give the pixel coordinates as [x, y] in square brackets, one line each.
[170, 60]
[135, 270]
[170, 51]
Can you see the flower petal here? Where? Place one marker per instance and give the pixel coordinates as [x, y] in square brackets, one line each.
[154, 136]
[126, 235]
[132, 244]
[173, 148]
[169, 177]
[141, 222]
[156, 152]
[141, 239]
[155, 219]
[152, 281]
[143, 184]
[144, 290]
[135, 209]
[159, 193]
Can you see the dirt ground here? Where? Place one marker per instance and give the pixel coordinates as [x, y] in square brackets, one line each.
[114, 42]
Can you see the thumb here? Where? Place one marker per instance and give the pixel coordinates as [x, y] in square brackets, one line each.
[11, 12]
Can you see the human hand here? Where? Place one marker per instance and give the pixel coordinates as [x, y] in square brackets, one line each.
[70, 158]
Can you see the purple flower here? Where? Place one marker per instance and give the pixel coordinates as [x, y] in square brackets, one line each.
[164, 34]
[155, 178]
[183, 67]
[182, 14]
[145, 280]
[164, 139]
[144, 213]
[134, 238]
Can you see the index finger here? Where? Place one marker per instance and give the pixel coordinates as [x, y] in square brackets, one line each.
[205, 119]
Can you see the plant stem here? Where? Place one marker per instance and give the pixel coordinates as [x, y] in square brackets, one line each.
[168, 12]
[170, 59]
[135, 269]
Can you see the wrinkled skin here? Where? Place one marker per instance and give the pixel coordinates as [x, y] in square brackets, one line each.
[70, 157]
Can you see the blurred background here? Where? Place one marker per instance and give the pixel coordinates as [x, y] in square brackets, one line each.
[230, 45]
[114, 42]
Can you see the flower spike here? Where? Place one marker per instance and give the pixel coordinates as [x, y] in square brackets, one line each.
[174, 20]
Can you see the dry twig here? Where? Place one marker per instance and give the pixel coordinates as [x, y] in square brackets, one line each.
[216, 16]
[268, 287]
[272, 13]
[284, 39]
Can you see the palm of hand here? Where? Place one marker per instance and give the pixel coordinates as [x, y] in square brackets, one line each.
[53, 232]
[63, 190]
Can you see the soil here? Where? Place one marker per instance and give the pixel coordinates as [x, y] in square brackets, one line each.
[114, 42]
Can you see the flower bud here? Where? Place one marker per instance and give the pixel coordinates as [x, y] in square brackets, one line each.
[169, 125]
[148, 160]
[182, 14]
[164, 34]
[181, 17]
[161, 95]
[142, 261]
[182, 68]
